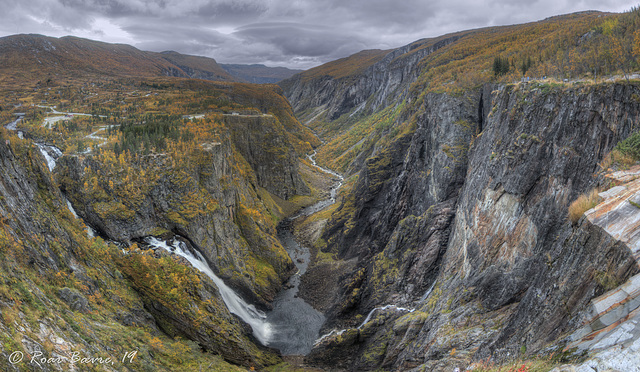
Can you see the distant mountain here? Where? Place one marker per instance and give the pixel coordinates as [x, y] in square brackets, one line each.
[37, 56]
[198, 67]
[259, 74]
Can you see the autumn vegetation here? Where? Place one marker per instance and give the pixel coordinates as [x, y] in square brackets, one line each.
[142, 129]
[137, 131]
[582, 204]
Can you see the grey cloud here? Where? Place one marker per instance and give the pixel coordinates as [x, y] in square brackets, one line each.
[172, 9]
[296, 39]
[163, 32]
[299, 33]
[230, 11]
[108, 8]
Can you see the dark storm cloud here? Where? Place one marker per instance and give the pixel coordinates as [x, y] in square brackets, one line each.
[298, 33]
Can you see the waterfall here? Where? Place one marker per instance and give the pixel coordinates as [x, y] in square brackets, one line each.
[262, 330]
[73, 211]
[333, 332]
[428, 292]
[46, 151]
[366, 320]
[13, 125]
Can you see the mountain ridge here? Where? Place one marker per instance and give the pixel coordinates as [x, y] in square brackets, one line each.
[50, 57]
[259, 73]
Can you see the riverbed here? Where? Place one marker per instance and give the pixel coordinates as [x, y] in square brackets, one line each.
[296, 323]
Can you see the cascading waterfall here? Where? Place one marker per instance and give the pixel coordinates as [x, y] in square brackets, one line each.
[428, 292]
[368, 318]
[293, 325]
[13, 125]
[262, 330]
[46, 151]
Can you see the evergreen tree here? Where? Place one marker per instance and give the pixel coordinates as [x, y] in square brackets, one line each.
[500, 66]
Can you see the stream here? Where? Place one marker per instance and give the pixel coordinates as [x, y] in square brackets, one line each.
[296, 324]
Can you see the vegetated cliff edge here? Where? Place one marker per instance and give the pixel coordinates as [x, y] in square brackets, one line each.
[214, 196]
[461, 215]
[65, 292]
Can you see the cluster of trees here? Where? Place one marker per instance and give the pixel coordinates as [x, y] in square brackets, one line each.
[500, 66]
[614, 45]
[608, 47]
[152, 133]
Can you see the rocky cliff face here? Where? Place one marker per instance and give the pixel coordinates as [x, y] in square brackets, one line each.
[210, 201]
[464, 221]
[274, 161]
[66, 292]
[380, 84]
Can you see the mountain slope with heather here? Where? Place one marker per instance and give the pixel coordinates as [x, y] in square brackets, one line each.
[30, 57]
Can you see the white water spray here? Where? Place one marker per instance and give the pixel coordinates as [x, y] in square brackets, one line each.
[368, 318]
[262, 330]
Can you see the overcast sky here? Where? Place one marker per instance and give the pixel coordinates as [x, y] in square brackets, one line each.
[291, 33]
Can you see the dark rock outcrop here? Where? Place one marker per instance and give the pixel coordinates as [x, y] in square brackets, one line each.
[262, 141]
[75, 299]
[476, 238]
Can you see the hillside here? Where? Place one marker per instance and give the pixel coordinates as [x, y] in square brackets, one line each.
[40, 57]
[132, 168]
[198, 67]
[29, 58]
[259, 74]
[451, 245]
[581, 46]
